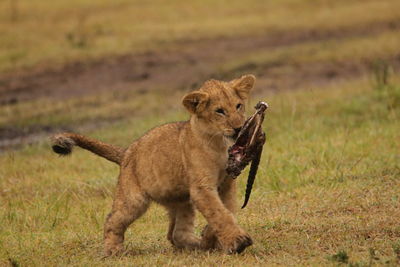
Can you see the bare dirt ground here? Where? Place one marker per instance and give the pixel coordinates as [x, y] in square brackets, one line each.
[182, 67]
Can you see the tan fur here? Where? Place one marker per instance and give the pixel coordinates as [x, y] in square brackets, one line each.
[63, 144]
[181, 166]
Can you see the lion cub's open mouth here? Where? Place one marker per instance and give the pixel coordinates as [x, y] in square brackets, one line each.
[248, 148]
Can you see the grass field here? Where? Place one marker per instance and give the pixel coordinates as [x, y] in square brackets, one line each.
[329, 182]
[328, 187]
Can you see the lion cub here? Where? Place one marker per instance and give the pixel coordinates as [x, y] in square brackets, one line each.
[182, 166]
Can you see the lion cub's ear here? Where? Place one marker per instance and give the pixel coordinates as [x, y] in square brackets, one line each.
[195, 101]
[243, 85]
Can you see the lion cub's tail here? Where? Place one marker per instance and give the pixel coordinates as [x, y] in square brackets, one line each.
[63, 143]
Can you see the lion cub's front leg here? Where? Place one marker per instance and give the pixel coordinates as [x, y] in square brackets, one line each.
[227, 193]
[205, 196]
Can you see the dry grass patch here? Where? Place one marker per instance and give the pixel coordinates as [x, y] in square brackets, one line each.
[64, 31]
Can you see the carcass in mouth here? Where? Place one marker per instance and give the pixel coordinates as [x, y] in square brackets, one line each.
[248, 148]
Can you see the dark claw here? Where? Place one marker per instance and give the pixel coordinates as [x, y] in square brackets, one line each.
[243, 245]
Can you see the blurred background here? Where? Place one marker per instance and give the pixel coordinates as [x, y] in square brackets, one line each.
[328, 187]
[72, 64]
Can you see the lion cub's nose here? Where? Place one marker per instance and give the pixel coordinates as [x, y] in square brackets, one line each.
[237, 130]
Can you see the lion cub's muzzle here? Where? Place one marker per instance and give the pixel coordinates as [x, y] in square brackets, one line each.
[232, 133]
[236, 133]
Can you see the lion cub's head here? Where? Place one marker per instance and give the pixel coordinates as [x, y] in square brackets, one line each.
[220, 106]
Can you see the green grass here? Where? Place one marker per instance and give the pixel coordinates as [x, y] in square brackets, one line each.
[328, 186]
[55, 32]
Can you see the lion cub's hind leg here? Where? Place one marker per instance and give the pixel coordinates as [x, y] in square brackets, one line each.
[129, 204]
[171, 227]
[181, 228]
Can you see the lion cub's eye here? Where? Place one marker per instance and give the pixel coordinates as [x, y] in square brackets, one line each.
[220, 111]
[238, 106]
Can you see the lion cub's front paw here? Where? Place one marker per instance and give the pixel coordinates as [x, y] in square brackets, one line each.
[236, 243]
[115, 250]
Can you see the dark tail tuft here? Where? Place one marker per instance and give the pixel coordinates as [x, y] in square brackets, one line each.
[62, 145]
